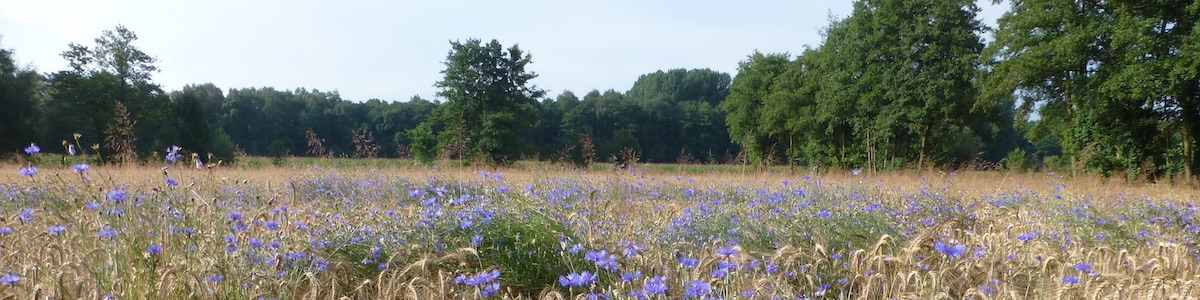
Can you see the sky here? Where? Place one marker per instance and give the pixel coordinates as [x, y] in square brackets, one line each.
[393, 50]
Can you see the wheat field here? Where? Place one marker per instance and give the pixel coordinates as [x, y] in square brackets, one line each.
[330, 232]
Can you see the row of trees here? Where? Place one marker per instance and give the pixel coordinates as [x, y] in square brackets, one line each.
[1081, 85]
[490, 114]
[892, 86]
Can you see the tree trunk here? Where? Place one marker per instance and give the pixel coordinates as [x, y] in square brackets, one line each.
[1189, 154]
[924, 147]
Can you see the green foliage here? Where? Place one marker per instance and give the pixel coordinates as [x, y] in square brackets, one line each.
[1106, 80]
[422, 143]
[222, 146]
[18, 104]
[1016, 160]
[524, 245]
[279, 152]
[189, 128]
[489, 100]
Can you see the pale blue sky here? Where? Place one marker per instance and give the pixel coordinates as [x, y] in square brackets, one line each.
[394, 50]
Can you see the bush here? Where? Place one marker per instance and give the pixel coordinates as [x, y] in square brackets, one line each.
[1016, 160]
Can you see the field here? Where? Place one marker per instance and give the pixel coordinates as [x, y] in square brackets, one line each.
[336, 230]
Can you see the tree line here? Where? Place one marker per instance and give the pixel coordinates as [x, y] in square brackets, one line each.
[1098, 86]
[665, 116]
[1108, 87]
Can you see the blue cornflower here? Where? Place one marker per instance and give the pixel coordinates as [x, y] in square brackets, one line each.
[154, 249]
[255, 242]
[1071, 279]
[108, 232]
[689, 262]
[28, 171]
[5, 230]
[749, 293]
[1083, 267]
[234, 215]
[489, 289]
[32, 149]
[215, 278]
[481, 278]
[26, 215]
[116, 195]
[577, 279]
[697, 288]
[575, 248]
[821, 289]
[173, 153]
[727, 251]
[9, 278]
[271, 224]
[952, 249]
[57, 228]
[1025, 237]
[81, 167]
[603, 259]
[655, 285]
[630, 276]
[172, 181]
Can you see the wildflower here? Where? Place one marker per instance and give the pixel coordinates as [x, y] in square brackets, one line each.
[154, 249]
[689, 262]
[577, 279]
[697, 288]
[728, 251]
[5, 230]
[108, 232]
[81, 167]
[215, 278]
[952, 249]
[25, 216]
[987, 290]
[28, 171]
[749, 293]
[9, 278]
[271, 224]
[116, 195]
[172, 181]
[856, 172]
[630, 276]
[234, 215]
[603, 259]
[255, 242]
[57, 229]
[575, 248]
[479, 279]
[655, 286]
[32, 149]
[821, 289]
[1083, 267]
[1071, 279]
[173, 153]
[1025, 237]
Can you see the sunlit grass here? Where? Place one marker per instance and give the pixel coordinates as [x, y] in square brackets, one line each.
[384, 229]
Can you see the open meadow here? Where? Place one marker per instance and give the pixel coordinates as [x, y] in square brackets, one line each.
[303, 231]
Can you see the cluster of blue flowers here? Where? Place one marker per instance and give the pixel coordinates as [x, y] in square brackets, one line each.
[485, 281]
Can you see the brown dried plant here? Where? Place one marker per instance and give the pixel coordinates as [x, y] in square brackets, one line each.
[119, 137]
